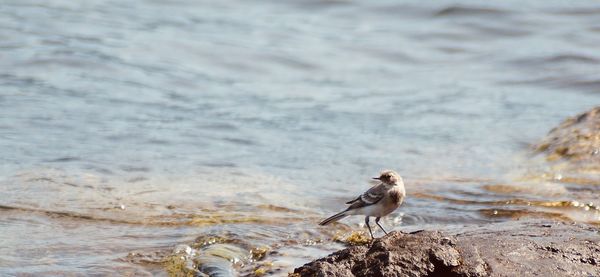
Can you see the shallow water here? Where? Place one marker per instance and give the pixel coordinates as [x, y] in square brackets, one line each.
[132, 129]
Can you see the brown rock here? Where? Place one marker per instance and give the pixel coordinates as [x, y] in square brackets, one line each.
[503, 249]
[575, 141]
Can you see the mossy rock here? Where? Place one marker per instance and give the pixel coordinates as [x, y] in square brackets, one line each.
[574, 146]
[577, 138]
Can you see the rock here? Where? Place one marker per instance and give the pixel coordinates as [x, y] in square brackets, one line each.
[575, 142]
[500, 249]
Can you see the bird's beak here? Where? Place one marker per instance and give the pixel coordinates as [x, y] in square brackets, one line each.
[376, 178]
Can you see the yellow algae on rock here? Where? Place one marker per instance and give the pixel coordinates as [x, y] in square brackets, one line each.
[260, 271]
[205, 240]
[177, 266]
[355, 238]
[258, 253]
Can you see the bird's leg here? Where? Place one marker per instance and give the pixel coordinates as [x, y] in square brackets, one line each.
[377, 222]
[368, 226]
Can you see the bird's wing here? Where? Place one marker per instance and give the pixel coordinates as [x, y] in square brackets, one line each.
[352, 201]
[370, 197]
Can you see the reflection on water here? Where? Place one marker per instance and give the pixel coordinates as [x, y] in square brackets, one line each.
[131, 132]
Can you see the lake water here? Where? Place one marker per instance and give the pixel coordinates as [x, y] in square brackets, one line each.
[130, 130]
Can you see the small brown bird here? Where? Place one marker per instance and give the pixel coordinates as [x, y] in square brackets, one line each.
[378, 201]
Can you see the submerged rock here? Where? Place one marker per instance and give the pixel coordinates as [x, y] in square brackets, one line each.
[501, 249]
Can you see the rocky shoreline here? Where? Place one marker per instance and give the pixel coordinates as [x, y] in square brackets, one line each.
[516, 248]
[529, 248]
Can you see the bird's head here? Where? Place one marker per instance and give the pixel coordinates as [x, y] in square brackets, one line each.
[389, 177]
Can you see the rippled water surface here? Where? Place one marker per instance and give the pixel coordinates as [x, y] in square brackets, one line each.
[139, 134]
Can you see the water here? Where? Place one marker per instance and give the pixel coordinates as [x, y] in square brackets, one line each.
[130, 130]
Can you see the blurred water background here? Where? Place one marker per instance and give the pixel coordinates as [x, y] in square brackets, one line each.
[131, 130]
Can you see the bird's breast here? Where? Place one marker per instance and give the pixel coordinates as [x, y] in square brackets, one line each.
[396, 196]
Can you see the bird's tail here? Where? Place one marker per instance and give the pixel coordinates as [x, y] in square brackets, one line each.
[334, 218]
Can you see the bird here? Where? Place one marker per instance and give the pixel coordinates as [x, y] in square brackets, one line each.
[378, 201]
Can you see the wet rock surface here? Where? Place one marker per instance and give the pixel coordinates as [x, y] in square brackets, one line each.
[500, 249]
[575, 142]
